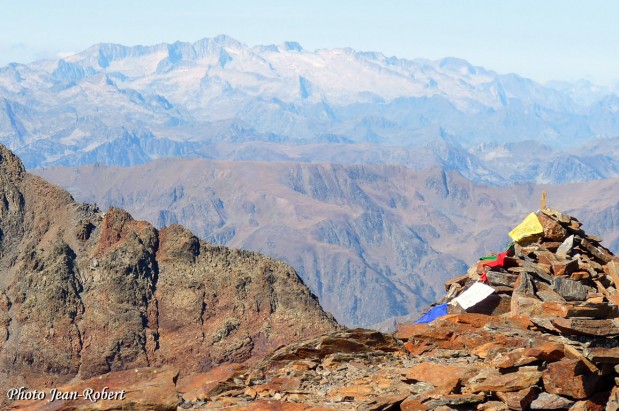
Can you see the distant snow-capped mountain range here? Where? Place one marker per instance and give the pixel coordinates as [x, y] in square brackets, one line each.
[219, 98]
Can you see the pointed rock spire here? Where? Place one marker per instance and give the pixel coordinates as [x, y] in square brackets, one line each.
[10, 165]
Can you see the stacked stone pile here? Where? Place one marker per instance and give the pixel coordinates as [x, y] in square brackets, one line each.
[546, 337]
[563, 280]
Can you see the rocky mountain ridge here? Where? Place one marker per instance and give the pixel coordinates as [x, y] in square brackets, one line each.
[83, 293]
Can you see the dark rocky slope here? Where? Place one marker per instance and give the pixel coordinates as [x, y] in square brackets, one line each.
[84, 293]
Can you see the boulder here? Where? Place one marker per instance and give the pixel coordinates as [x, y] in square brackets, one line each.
[570, 378]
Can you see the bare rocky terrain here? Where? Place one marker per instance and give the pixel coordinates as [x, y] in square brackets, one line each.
[357, 234]
[84, 293]
[544, 339]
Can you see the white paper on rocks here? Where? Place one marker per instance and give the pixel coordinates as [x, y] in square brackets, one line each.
[476, 293]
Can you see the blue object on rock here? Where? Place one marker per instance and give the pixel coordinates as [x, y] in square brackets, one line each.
[434, 313]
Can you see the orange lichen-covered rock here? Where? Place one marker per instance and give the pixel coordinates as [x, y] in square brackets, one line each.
[571, 378]
[518, 400]
[492, 380]
[204, 385]
[445, 377]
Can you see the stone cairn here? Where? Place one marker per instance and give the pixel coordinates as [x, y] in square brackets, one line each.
[563, 280]
[546, 336]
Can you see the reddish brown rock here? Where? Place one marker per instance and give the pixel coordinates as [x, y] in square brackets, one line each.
[355, 341]
[545, 293]
[492, 406]
[546, 350]
[521, 321]
[580, 275]
[612, 271]
[564, 267]
[445, 377]
[205, 385]
[461, 280]
[583, 326]
[514, 358]
[600, 253]
[518, 400]
[553, 230]
[438, 334]
[524, 301]
[574, 354]
[546, 257]
[274, 405]
[552, 245]
[385, 401]
[417, 349]
[525, 306]
[575, 224]
[469, 339]
[489, 349]
[406, 331]
[557, 216]
[579, 309]
[601, 355]
[412, 404]
[539, 271]
[144, 389]
[493, 380]
[496, 279]
[356, 392]
[596, 403]
[611, 294]
[570, 378]
[459, 400]
[473, 319]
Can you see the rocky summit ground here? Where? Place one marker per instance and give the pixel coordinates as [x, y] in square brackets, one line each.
[85, 293]
[545, 338]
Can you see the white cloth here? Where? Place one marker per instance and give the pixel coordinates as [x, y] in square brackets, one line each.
[474, 294]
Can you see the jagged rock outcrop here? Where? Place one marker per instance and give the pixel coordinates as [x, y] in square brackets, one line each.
[84, 293]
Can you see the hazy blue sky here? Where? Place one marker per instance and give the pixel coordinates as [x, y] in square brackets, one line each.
[541, 39]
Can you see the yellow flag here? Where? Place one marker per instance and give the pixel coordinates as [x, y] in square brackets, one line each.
[529, 227]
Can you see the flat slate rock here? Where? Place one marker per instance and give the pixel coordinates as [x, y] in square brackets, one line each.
[569, 289]
[582, 326]
[546, 401]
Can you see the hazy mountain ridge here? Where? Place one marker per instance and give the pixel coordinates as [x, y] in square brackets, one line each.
[329, 221]
[355, 233]
[187, 99]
